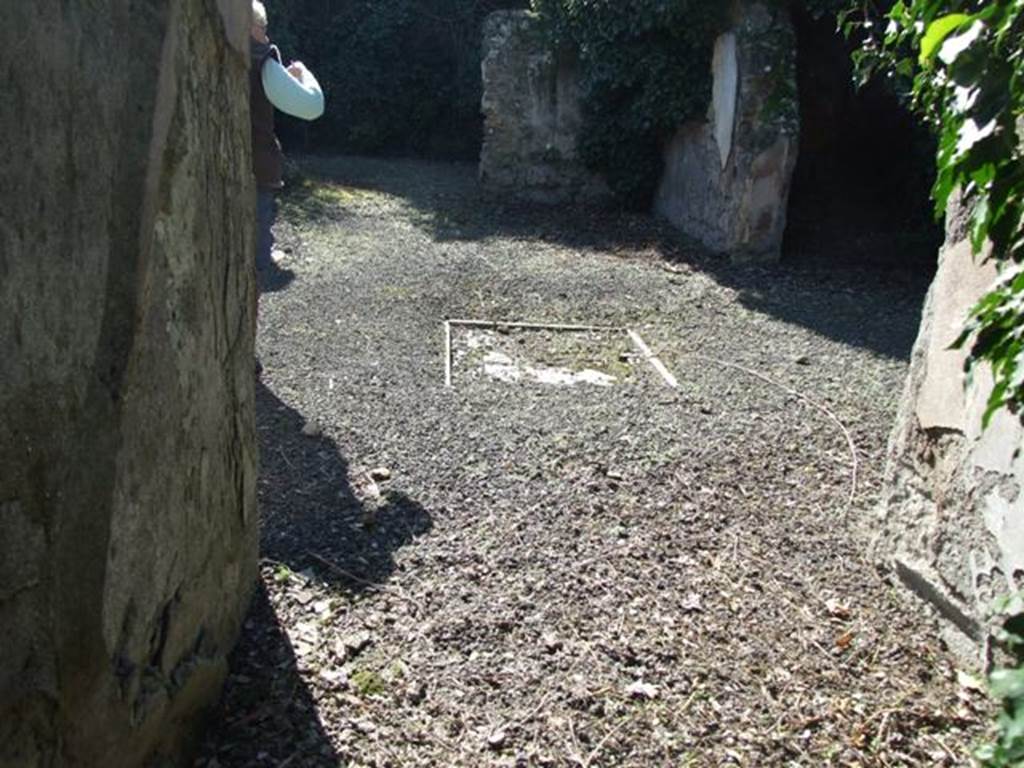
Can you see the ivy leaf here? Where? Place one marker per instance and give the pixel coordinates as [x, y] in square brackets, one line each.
[1007, 683]
[971, 134]
[954, 46]
[937, 32]
[995, 403]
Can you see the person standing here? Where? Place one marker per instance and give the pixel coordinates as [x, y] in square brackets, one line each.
[292, 90]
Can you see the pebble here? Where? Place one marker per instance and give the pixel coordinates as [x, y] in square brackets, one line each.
[497, 740]
[380, 474]
[357, 642]
[642, 690]
[551, 642]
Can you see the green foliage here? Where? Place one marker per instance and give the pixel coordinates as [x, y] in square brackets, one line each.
[1007, 684]
[644, 72]
[367, 682]
[964, 63]
[400, 76]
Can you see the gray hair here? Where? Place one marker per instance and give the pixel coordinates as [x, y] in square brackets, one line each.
[259, 13]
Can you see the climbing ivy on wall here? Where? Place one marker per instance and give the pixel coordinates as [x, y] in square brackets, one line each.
[644, 72]
[1007, 749]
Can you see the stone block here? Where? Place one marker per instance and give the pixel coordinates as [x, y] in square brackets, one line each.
[726, 180]
[953, 500]
[532, 115]
[127, 437]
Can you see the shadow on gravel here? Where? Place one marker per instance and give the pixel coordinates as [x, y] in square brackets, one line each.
[314, 528]
[864, 301]
[274, 279]
[313, 518]
[267, 715]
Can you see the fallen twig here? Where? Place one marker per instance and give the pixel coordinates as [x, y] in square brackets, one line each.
[854, 461]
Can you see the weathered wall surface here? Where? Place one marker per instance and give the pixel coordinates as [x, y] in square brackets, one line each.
[532, 115]
[952, 520]
[727, 180]
[127, 458]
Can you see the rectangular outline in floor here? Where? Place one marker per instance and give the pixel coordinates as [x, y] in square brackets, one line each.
[634, 336]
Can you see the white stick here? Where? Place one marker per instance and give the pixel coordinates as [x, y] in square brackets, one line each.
[538, 326]
[447, 354]
[654, 361]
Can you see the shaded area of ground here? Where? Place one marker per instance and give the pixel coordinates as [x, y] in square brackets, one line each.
[268, 715]
[842, 295]
[587, 576]
[317, 510]
[325, 547]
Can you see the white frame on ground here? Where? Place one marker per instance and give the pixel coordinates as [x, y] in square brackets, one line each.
[634, 336]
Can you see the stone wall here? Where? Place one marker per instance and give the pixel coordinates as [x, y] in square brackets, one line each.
[726, 181]
[127, 453]
[952, 520]
[532, 115]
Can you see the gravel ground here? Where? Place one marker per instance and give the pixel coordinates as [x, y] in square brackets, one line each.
[514, 573]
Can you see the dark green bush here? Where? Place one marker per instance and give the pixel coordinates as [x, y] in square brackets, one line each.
[645, 69]
[401, 76]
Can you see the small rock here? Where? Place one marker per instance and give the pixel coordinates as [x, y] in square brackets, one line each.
[340, 651]
[365, 727]
[312, 429]
[380, 474]
[970, 682]
[837, 610]
[370, 490]
[642, 690]
[497, 739]
[357, 642]
[551, 642]
[802, 360]
[334, 678]
[416, 693]
[692, 603]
